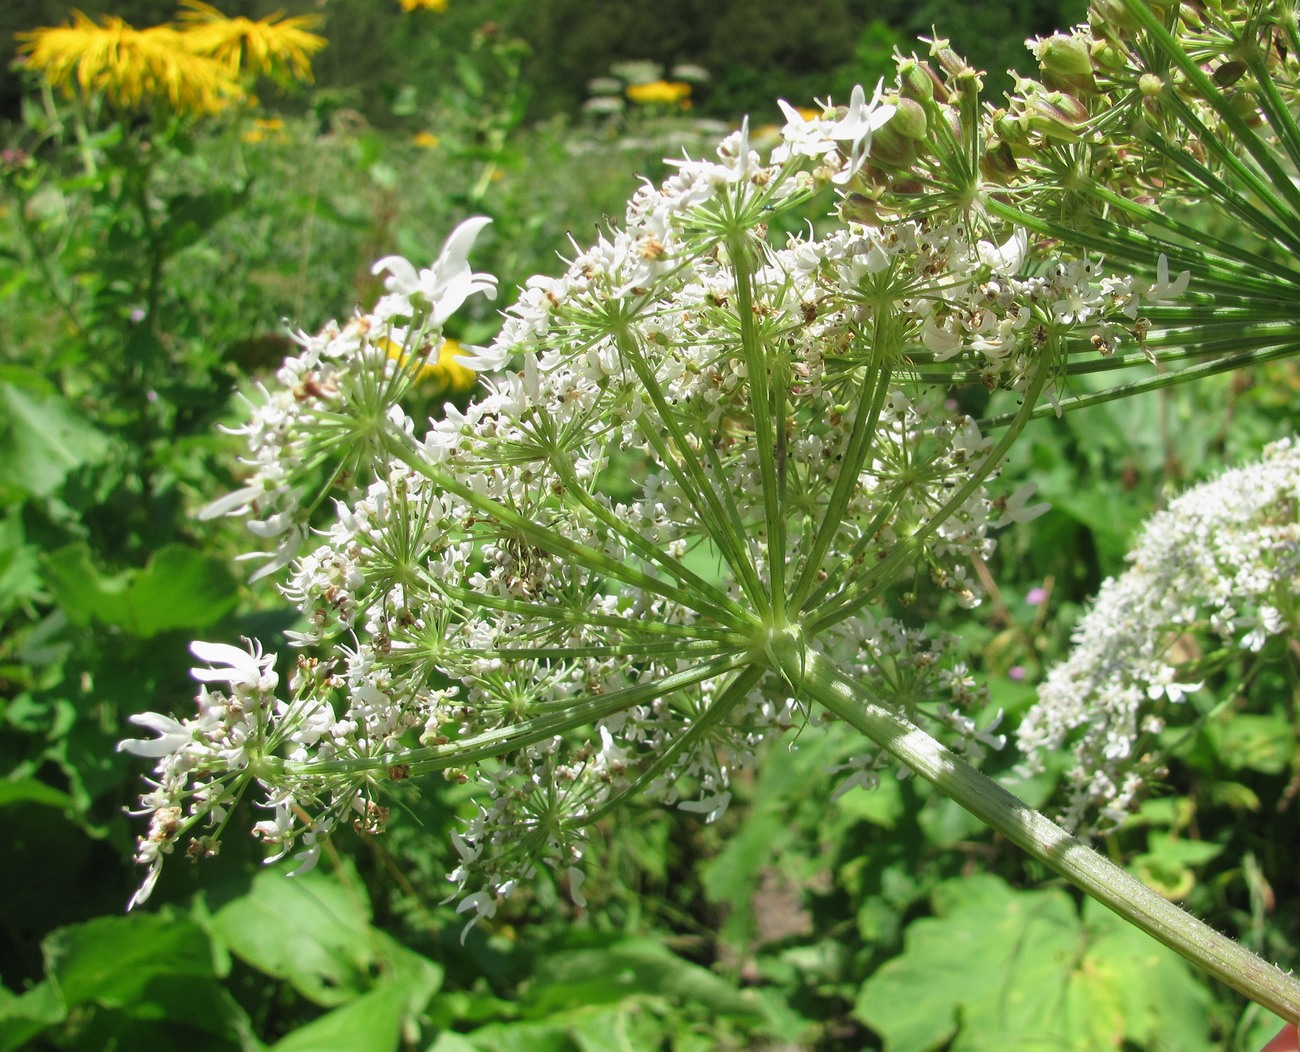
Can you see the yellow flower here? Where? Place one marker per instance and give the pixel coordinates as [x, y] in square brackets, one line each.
[426, 140]
[264, 128]
[660, 92]
[424, 5]
[447, 372]
[130, 67]
[274, 46]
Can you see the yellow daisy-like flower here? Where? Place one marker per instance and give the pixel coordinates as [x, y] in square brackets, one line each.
[446, 372]
[660, 93]
[130, 67]
[273, 46]
[426, 140]
[424, 5]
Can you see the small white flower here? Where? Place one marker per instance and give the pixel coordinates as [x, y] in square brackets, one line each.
[857, 126]
[440, 289]
[1164, 289]
[172, 736]
[248, 669]
[1018, 509]
[1007, 257]
[711, 807]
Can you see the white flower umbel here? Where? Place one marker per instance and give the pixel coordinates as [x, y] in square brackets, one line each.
[705, 441]
[713, 469]
[1219, 565]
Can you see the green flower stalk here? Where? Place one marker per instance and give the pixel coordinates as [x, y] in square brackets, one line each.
[711, 465]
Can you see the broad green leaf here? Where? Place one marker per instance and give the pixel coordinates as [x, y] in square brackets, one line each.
[315, 933]
[116, 961]
[880, 806]
[371, 1023]
[1263, 743]
[597, 1028]
[1003, 970]
[42, 440]
[630, 968]
[23, 1018]
[178, 588]
[308, 930]
[1170, 862]
[450, 1041]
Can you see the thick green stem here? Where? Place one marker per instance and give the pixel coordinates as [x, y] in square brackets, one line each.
[819, 680]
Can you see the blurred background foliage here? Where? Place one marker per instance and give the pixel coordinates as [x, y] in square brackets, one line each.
[755, 50]
[148, 262]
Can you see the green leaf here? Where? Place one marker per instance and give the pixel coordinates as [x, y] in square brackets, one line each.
[178, 588]
[1010, 970]
[43, 439]
[116, 961]
[371, 1023]
[470, 78]
[630, 968]
[1253, 742]
[23, 1018]
[33, 791]
[315, 933]
[882, 805]
[1169, 865]
[191, 216]
[595, 1028]
[1003, 970]
[20, 576]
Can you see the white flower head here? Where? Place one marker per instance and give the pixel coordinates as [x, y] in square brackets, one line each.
[1222, 548]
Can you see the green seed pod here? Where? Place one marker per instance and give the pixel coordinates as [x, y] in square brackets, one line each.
[998, 164]
[909, 119]
[951, 62]
[1245, 105]
[1229, 73]
[1113, 16]
[1151, 85]
[891, 147]
[916, 79]
[1064, 55]
[1010, 128]
[859, 208]
[1058, 115]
